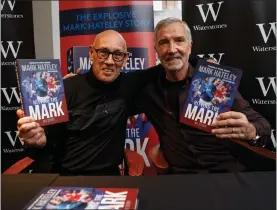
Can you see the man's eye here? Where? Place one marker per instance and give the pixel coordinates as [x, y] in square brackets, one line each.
[163, 42]
[118, 53]
[103, 51]
[180, 39]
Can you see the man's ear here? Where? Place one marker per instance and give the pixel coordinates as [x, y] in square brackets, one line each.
[90, 51]
[125, 59]
[190, 46]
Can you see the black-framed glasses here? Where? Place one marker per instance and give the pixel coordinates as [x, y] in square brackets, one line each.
[103, 53]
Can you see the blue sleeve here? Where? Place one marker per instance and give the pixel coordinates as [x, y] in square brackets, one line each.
[41, 87]
[209, 91]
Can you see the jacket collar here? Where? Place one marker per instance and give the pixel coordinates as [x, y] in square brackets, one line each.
[94, 82]
[187, 80]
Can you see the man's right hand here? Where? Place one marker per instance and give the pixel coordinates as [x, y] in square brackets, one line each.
[29, 131]
[69, 75]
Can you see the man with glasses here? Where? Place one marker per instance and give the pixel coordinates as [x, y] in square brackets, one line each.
[99, 103]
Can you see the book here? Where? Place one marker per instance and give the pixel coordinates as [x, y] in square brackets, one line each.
[212, 91]
[138, 60]
[78, 60]
[41, 90]
[84, 198]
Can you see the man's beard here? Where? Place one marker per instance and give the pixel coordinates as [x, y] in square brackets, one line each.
[174, 66]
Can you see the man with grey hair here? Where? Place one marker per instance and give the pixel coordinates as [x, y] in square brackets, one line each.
[99, 103]
[186, 149]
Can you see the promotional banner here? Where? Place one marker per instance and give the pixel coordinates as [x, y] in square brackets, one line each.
[17, 41]
[81, 21]
[240, 34]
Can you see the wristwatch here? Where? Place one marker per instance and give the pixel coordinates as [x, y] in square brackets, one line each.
[256, 142]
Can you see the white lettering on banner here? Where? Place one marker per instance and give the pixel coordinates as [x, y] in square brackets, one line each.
[205, 17]
[12, 94]
[273, 139]
[85, 63]
[266, 35]
[13, 139]
[210, 9]
[11, 4]
[272, 29]
[263, 49]
[13, 150]
[211, 55]
[261, 102]
[140, 148]
[10, 48]
[272, 84]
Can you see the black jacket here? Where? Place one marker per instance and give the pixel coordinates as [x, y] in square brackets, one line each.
[93, 139]
[185, 148]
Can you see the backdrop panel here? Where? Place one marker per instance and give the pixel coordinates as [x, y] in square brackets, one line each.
[81, 21]
[17, 42]
[241, 34]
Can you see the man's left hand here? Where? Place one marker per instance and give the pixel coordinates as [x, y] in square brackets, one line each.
[234, 125]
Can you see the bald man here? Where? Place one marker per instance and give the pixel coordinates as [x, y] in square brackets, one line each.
[99, 103]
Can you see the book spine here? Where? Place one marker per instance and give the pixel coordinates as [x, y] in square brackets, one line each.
[18, 84]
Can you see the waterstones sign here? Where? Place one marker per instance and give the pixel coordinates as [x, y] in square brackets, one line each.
[14, 145]
[209, 13]
[9, 51]
[267, 31]
[248, 42]
[17, 41]
[267, 85]
[9, 10]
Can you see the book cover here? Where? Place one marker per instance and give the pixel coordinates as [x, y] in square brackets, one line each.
[41, 90]
[212, 91]
[141, 137]
[138, 60]
[85, 198]
[78, 60]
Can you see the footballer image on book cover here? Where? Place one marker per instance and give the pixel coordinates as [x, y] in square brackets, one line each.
[41, 90]
[212, 91]
[85, 198]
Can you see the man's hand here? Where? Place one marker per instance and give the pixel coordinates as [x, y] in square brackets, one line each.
[212, 61]
[234, 125]
[29, 131]
[69, 75]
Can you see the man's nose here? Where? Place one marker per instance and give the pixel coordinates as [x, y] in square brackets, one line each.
[109, 59]
[172, 47]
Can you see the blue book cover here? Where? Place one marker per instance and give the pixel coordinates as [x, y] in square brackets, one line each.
[212, 91]
[78, 60]
[41, 90]
[84, 198]
[137, 60]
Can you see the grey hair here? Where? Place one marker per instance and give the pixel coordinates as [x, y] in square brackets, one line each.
[171, 20]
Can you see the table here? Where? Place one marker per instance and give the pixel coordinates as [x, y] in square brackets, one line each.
[18, 190]
[235, 191]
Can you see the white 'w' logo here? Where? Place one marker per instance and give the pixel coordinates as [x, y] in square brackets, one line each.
[272, 84]
[10, 3]
[10, 48]
[210, 8]
[272, 28]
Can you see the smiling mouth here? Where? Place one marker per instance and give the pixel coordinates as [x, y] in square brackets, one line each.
[107, 70]
[172, 59]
